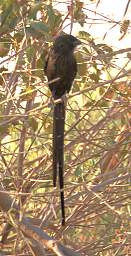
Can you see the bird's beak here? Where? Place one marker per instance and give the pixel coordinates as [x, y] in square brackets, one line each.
[77, 42]
[77, 45]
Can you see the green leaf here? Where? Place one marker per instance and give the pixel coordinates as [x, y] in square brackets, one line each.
[7, 9]
[94, 77]
[39, 27]
[105, 48]
[34, 9]
[78, 171]
[86, 36]
[30, 53]
[33, 124]
[9, 16]
[54, 19]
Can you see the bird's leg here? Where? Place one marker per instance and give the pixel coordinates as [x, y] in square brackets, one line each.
[51, 102]
[64, 99]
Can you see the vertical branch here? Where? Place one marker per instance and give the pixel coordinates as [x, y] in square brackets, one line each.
[13, 79]
[72, 16]
[24, 127]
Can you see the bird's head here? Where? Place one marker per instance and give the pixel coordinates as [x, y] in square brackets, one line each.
[65, 44]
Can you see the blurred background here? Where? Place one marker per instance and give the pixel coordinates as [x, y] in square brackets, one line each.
[97, 133]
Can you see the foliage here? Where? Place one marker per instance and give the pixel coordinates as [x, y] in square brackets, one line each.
[97, 135]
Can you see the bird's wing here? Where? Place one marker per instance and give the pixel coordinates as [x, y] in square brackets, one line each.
[49, 68]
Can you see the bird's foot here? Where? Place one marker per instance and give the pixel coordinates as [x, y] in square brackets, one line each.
[64, 99]
[51, 102]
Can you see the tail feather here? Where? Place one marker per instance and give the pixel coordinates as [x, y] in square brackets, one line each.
[58, 151]
[55, 147]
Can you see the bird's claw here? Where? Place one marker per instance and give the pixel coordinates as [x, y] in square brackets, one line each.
[64, 99]
[51, 102]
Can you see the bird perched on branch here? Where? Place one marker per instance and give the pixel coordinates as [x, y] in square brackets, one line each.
[61, 64]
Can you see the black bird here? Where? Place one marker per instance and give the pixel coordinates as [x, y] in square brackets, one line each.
[61, 64]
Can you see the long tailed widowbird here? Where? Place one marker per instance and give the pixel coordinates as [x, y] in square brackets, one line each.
[61, 64]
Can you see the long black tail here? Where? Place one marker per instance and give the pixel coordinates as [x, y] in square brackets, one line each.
[58, 151]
